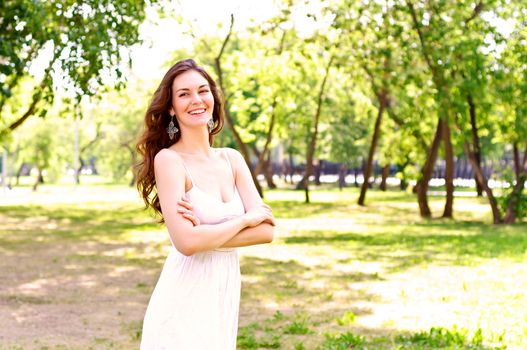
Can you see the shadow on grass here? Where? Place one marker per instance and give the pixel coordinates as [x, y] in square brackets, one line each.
[405, 246]
[297, 210]
[87, 240]
[298, 287]
[293, 209]
[58, 222]
[301, 309]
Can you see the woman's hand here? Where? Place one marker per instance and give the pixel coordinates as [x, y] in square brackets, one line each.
[185, 209]
[260, 214]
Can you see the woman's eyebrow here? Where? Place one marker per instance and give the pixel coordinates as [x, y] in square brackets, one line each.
[187, 89]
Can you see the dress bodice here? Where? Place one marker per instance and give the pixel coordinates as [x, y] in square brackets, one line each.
[209, 209]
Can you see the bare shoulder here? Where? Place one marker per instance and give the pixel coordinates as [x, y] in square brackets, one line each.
[167, 158]
[233, 154]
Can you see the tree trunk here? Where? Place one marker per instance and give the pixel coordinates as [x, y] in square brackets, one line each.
[230, 121]
[449, 170]
[385, 173]
[382, 97]
[268, 138]
[243, 149]
[517, 166]
[291, 167]
[19, 173]
[521, 177]
[313, 142]
[475, 140]
[515, 197]
[342, 176]
[39, 180]
[90, 144]
[318, 172]
[132, 165]
[78, 173]
[416, 187]
[481, 178]
[268, 172]
[426, 172]
[403, 184]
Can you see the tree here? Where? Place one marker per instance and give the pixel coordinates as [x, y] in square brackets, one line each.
[120, 115]
[45, 152]
[344, 140]
[314, 126]
[79, 44]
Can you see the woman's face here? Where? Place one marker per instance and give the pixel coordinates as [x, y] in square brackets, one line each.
[192, 100]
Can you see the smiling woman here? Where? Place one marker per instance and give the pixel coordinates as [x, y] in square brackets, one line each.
[210, 206]
[193, 101]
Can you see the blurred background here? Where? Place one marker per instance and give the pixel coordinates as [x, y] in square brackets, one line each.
[397, 92]
[390, 136]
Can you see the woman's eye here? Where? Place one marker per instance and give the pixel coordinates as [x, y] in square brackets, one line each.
[204, 91]
[183, 94]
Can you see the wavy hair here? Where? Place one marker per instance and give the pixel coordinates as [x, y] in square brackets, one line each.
[154, 136]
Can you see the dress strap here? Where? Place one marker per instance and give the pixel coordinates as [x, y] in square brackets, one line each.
[229, 161]
[188, 173]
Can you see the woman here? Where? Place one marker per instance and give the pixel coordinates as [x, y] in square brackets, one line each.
[210, 206]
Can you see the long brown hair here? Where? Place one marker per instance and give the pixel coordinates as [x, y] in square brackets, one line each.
[155, 137]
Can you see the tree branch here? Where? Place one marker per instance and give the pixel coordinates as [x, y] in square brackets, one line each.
[476, 12]
[94, 140]
[525, 159]
[420, 34]
[226, 39]
[37, 96]
[261, 156]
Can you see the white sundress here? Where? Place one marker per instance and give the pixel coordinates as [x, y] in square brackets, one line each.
[196, 300]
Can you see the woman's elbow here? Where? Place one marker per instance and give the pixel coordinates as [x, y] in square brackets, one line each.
[268, 233]
[185, 248]
[183, 241]
[186, 251]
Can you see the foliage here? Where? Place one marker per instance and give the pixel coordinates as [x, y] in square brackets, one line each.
[463, 61]
[342, 341]
[442, 338]
[347, 319]
[78, 47]
[521, 201]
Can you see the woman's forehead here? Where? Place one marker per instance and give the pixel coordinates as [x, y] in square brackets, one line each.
[188, 80]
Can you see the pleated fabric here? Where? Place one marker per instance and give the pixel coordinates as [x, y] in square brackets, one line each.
[195, 303]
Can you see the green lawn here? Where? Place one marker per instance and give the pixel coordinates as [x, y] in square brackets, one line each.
[78, 265]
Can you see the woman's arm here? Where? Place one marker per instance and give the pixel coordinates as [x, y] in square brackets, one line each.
[189, 239]
[260, 234]
[247, 236]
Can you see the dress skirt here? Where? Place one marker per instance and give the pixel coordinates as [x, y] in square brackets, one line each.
[195, 303]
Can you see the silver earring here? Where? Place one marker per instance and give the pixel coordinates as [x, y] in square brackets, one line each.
[172, 128]
[210, 124]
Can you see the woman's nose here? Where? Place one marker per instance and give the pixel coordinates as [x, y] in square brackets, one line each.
[194, 97]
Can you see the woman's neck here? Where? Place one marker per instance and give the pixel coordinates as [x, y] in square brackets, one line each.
[194, 142]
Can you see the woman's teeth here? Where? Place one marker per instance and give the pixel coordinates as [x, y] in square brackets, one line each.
[198, 111]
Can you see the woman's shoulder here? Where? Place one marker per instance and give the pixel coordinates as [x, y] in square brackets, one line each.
[167, 156]
[230, 152]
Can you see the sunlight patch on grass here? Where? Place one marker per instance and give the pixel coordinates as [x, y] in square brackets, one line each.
[380, 273]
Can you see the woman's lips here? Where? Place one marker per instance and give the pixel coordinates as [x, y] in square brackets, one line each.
[197, 112]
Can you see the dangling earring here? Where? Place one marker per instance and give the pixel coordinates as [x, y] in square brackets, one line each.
[172, 129]
[210, 124]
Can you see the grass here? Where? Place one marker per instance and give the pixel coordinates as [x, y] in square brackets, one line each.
[78, 267]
